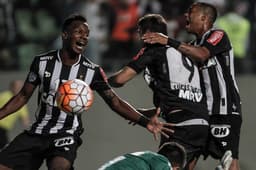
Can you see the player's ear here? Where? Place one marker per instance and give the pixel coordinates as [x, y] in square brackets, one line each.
[64, 35]
[203, 17]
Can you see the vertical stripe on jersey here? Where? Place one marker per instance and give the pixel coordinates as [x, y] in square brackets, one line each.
[232, 69]
[220, 83]
[74, 125]
[55, 71]
[223, 90]
[88, 73]
[209, 95]
[62, 116]
[89, 76]
[42, 66]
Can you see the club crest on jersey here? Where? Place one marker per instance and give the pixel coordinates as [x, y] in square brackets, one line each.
[215, 38]
[32, 77]
[64, 141]
[220, 131]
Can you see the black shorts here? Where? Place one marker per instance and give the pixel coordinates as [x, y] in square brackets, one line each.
[191, 131]
[27, 151]
[3, 137]
[224, 135]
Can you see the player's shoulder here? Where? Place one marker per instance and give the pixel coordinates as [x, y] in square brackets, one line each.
[88, 63]
[49, 55]
[215, 36]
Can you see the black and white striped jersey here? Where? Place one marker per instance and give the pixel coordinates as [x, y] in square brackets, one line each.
[47, 72]
[218, 74]
[174, 79]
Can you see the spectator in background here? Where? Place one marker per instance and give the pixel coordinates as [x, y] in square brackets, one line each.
[238, 29]
[8, 123]
[122, 31]
[92, 9]
[36, 29]
[7, 36]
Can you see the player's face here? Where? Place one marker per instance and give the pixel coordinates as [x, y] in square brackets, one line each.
[77, 36]
[194, 22]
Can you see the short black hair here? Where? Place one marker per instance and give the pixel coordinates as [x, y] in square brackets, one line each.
[208, 9]
[152, 23]
[175, 153]
[71, 18]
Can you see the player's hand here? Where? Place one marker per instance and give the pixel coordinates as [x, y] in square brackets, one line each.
[157, 127]
[154, 37]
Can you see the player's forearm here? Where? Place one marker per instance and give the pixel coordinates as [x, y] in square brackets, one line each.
[194, 52]
[197, 53]
[121, 77]
[128, 112]
[14, 104]
[113, 83]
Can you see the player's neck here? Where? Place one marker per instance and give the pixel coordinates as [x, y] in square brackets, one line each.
[68, 58]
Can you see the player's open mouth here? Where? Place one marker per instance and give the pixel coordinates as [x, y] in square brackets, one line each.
[80, 44]
[187, 22]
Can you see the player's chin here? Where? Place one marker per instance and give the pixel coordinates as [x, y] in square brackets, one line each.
[78, 49]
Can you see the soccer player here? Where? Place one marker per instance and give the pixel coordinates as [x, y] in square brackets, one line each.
[170, 156]
[55, 135]
[175, 81]
[213, 50]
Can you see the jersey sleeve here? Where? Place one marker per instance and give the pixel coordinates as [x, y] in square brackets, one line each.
[33, 75]
[141, 60]
[217, 42]
[100, 81]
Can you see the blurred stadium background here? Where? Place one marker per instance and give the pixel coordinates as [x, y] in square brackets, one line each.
[30, 27]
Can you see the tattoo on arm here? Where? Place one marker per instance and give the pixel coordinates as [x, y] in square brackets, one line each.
[107, 95]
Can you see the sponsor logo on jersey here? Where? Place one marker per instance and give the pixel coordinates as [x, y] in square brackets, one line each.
[47, 74]
[49, 98]
[92, 66]
[46, 58]
[215, 38]
[220, 131]
[188, 92]
[190, 95]
[64, 141]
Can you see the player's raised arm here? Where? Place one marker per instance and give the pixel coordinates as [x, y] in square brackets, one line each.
[17, 101]
[121, 77]
[125, 110]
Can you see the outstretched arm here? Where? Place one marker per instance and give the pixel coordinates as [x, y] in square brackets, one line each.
[125, 110]
[195, 52]
[17, 101]
[121, 77]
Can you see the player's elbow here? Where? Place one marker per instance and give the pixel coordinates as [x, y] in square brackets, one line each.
[115, 104]
[114, 82]
[202, 57]
[203, 54]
